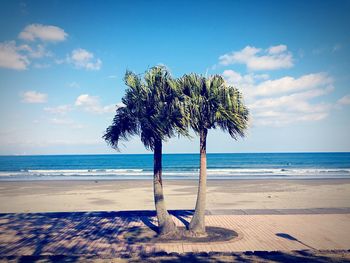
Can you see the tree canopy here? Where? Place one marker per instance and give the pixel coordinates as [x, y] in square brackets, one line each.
[212, 103]
[153, 109]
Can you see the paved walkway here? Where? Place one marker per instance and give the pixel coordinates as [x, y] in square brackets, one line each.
[309, 211]
[103, 233]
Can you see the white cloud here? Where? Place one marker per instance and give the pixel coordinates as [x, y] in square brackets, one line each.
[244, 82]
[34, 97]
[295, 102]
[344, 100]
[234, 78]
[275, 57]
[11, 58]
[289, 84]
[18, 57]
[62, 109]
[82, 58]
[282, 118]
[43, 32]
[285, 100]
[92, 104]
[277, 49]
[86, 99]
[287, 109]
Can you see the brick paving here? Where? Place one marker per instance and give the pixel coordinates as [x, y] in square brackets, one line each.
[103, 233]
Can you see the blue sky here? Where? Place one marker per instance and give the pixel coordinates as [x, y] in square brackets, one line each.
[62, 65]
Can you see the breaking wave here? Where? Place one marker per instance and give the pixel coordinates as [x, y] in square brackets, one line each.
[213, 173]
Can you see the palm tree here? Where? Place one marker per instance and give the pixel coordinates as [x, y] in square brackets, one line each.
[212, 104]
[154, 111]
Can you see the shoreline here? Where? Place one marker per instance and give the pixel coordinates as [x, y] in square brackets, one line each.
[180, 181]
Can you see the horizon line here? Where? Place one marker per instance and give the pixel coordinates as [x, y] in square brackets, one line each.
[286, 152]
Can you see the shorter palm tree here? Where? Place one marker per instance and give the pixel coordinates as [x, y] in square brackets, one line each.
[154, 111]
[212, 104]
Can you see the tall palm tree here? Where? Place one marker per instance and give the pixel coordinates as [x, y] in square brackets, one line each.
[154, 111]
[212, 104]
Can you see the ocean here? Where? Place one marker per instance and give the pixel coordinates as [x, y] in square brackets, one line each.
[176, 166]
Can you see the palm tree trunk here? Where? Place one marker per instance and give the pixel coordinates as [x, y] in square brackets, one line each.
[165, 223]
[197, 224]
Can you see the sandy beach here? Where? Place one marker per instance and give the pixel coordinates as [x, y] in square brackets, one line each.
[309, 220]
[119, 195]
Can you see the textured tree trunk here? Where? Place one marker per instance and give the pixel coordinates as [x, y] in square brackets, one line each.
[166, 225]
[197, 224]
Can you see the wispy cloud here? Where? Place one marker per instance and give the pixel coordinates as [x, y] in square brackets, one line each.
[48, 142]
[61, 121]
[34, 97]
[66, 122]
[344, 100]
[74, 85]
[336, 47]
[43, 32]
[41, 65]
[39, 51]
[324, 49]
[272, 58]
[61, 109]
[23, 8]
[82, 58]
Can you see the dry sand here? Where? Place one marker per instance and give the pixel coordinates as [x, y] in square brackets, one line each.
[59, 196]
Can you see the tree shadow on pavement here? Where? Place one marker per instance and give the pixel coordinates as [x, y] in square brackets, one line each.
[73, 233]
[78, 233]
[87, 236]
[247, 257]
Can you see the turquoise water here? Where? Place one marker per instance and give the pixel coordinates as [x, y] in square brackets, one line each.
[176, 166]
